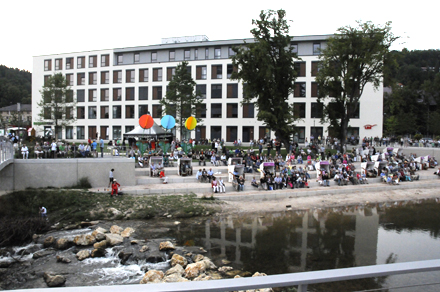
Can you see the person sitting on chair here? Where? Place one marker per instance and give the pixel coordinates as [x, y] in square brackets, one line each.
[204, 175]
[162, 176]
[210, 175]
[25, 151]
[214, 185]
[240, 183]
[199, 174]
[221, 185]
[254, 182]
[202, 159]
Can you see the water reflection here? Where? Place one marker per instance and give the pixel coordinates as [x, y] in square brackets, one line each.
[316, 239]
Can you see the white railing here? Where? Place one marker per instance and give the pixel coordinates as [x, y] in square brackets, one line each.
[300, 280]
[6, 150]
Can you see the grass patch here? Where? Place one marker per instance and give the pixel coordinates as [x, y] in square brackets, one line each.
[70, 206]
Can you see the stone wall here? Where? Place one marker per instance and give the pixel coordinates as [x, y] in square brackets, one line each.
[41, 173]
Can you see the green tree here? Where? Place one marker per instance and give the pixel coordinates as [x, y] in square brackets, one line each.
[266, 67]
[181, 100]
[57, 103]
[353, 58]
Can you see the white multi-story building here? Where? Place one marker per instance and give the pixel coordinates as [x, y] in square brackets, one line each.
[113, 88]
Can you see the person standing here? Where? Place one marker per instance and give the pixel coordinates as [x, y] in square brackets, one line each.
[53, 149]
[101, 145]
[43, 212]
[94, 146]
[110, 176]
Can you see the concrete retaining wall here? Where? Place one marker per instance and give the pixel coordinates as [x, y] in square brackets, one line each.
[41, 173]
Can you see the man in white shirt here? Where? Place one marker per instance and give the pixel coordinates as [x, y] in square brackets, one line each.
[25, 151]
[53, 149]
[82, 149]
[210, 174]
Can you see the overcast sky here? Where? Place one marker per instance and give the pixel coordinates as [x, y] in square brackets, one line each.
[33, 28]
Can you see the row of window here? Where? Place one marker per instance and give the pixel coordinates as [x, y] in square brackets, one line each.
[157, 74]
[80, 62]
[216, 111]
[216, 92]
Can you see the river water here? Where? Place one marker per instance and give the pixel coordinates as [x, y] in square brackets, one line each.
[291, 241]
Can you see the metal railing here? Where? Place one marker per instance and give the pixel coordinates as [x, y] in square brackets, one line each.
[6, 150]
[300, 280]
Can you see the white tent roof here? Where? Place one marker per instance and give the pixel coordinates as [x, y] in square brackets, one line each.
[139, 131]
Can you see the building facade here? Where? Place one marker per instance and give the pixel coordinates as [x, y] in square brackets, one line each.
[113, 88]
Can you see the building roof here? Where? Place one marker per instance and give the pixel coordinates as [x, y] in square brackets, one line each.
[13, 108]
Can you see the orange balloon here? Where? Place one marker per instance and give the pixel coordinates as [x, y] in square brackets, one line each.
[190, 123]
[146, 121]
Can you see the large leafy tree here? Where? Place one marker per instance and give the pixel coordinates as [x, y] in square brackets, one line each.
[181, 100]
[266, 67]
[353, 58]
[57, 104]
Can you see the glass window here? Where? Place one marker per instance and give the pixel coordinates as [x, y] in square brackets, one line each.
[129, 93]
[294, 48]
[232, 91]
[105, 77]
[116, 111]
[120, 59]
[143, 110]
[201, 90]
[117, 94]
[206, 53]
[47, 65]
[93, 61]
[129, 76]
[157, 74]
[172, 55]
[216, 110]
[196, 54]
[217, 72]
[153, 56]
[201, 111]
[300, 69]
[117, 134]
[157, 111]
[80, 112]
[300, 89]
[217, 53]
[80, 95]
[69, 132]
[201, 72]
[105, 94]
[69, 79]
[93, 95]
[231, 52]
[81, 79]
[316, 48]
[230, 69]
[216, 132]
[216, 91]
[143, 75]
[69, 63]
[248, 110]
[157, 92]
[129, 111]
[58, 64]
[232, 110]
[105, 60]
[92, 112]
[316, 110]
[187, 54]
[117, 76]
[231, 133]
[299, 111]
[80, 132]
[104, 112]
[80, 62]
[143, 92]
[93, 78]
[171, 71]
[137, 58]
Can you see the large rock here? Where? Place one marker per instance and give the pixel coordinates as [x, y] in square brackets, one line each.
[144, 248]
[62, 243]
[115, 229]
[127, 232]
[54, 280]
[177, 269]
[97, 253]
[84, 239]
[124, 255]
[203, 277]
[209, 265]
[178, 260]
[43, 253]
[152, 276]
[83, 254]
[115, 212]
[198, 258]
[166, 245]
[173, 278]
[99, 233]
[194, 269]
[62, 259]
[100, 245]
[114, 239]
[49, 241]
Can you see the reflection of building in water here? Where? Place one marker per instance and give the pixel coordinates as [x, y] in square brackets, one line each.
[308, 233]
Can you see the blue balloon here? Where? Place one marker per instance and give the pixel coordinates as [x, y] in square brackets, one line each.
[168, 122]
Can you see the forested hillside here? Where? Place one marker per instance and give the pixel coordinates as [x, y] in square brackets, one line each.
[414, 104]
[15, 86]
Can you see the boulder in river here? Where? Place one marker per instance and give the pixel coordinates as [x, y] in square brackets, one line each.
[54, 280]
[83, 254]
[152, 276]
[115, 229]
[127, 232]
[49, 241]
[114, 239]
[84, 239]
[166, 245]
[178, 260]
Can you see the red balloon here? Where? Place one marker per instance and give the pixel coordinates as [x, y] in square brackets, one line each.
[146, 121]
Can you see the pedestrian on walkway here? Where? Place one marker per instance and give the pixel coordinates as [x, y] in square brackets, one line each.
[110, 176]
[101, 145]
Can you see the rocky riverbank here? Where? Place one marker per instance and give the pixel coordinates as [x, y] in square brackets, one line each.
[73, 257]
